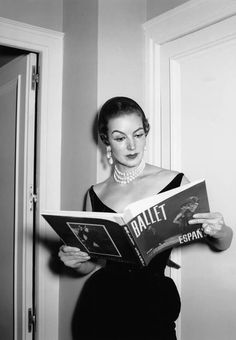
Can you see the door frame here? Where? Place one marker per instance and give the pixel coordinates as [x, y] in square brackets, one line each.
[163, 149]
[171, 25]
[49, 45]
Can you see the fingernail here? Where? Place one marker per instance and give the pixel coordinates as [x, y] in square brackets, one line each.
[84, 254]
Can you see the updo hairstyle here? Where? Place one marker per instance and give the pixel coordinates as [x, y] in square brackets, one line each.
[116, 107]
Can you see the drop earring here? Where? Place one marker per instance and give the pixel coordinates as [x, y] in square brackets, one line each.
[109, 156]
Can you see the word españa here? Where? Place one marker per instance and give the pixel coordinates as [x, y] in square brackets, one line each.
[194, 235]
[148, 217]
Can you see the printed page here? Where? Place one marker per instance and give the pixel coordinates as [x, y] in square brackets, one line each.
[98, 234]
[137, 207]
[163, 223]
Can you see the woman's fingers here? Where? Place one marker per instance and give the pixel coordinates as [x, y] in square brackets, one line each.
[211, 218]
[66, 250]
[212, 223]
[74, 263]
[72, 256]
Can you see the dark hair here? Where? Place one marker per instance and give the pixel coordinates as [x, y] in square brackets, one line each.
[115, 107]
[191, 200]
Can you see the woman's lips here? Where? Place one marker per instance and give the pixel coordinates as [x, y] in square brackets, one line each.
[132, 156]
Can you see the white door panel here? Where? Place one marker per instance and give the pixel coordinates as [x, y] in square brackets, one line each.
[198, 82]
[17, 115]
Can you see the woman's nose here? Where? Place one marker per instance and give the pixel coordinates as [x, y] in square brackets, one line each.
[131, 144]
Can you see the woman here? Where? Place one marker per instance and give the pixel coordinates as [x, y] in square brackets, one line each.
[120, 301]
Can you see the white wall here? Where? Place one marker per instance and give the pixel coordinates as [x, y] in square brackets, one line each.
[79, 148]
[79, 101]
[157, 7]
[44, 13]
[120, 54]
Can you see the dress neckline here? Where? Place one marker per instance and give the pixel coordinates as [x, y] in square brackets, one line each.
[94, 193]
[162, 190]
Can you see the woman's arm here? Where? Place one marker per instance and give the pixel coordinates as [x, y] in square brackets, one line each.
[223, 242]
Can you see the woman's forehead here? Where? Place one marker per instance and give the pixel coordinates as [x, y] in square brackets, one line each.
[125, 122]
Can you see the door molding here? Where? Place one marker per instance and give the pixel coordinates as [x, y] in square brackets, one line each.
[187, 18]
[49, 45]
[176, 23]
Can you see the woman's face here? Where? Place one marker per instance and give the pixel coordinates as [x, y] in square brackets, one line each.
[127, 139]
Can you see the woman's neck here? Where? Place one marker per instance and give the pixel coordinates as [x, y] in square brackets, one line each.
[127, 175]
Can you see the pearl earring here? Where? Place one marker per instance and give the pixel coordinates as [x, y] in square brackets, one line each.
[109, 156]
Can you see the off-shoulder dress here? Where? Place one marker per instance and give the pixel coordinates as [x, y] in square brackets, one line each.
[123, 302]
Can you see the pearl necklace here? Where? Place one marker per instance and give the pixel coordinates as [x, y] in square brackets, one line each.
[128, 176]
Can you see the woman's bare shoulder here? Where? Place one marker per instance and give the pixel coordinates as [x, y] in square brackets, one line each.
[156, 171]
[163, 176]
[100, 187]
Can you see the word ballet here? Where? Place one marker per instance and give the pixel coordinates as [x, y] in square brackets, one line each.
[148, 217]
[194, 235]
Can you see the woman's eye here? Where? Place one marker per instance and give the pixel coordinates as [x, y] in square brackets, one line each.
[139, 135]
[119, 139]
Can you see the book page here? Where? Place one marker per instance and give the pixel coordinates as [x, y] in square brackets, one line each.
[139, 206]
[101, 235]
[162, 223]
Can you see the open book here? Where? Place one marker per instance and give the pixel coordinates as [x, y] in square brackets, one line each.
[145, 228]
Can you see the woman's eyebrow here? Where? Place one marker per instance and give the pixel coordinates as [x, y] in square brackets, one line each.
[141, 128]
[118, 131]
[114, 131]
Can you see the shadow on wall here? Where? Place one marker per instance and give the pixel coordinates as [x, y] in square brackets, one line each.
[52, 245]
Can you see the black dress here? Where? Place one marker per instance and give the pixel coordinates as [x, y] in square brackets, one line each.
[121, 301]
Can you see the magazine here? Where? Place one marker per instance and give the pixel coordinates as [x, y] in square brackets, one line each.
[146, 227]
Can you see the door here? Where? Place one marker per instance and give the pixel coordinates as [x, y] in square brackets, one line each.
[17, 145]
[198, 82]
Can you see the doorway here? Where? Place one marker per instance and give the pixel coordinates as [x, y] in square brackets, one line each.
[48, 45]
[18, 112]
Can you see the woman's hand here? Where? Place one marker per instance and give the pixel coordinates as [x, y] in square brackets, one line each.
[72, 257]
[214, 226]
[75, 258]
[212, 223]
